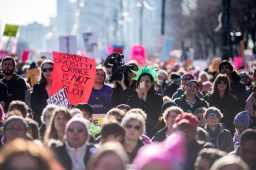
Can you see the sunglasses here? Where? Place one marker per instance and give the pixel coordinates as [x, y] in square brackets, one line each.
[76, 130]
[47, 69]
[136, 127]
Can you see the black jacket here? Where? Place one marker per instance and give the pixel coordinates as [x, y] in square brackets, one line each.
[38, 101]
[181, 102]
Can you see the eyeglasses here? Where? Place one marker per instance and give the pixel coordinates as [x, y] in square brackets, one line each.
[222, 82]
[76, 130]
[47, 69]
[13, 129]
[136, 127]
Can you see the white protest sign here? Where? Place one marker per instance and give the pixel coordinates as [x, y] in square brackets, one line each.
[59, 98]
[68, 44]
[90, 41]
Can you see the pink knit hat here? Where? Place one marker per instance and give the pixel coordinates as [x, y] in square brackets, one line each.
[167, 155]
[80, 119]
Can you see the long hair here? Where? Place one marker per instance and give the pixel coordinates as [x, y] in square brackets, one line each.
[42, 80]
[215, 90]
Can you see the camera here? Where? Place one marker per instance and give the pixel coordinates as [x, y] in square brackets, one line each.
[114, 60]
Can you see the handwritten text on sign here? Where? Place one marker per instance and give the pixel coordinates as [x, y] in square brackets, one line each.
[59, 98]
[74, 73]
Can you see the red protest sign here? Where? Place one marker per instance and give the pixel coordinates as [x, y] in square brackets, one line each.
[74, 73]
[59, 98]
[25, 55]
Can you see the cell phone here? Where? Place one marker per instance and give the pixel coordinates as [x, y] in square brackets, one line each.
[142, 85]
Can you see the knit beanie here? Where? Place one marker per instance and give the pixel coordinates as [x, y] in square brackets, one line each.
[242, 118]
[77, 119]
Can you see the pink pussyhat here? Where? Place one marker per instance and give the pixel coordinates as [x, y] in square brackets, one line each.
[166, 155]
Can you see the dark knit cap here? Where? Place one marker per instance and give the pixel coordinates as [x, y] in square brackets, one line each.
[225, 62]
[242, 118]
[167, 105]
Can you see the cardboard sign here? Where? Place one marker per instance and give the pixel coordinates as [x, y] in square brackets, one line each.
[74, 73]
[59, 98]
[3, 53]
[10, 30]
[68, 44]
[98, 118]
[90, 41]
[138, 53]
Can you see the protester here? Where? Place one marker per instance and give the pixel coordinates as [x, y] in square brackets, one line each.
[247, 148]
[56, 128]
[33, 129]
[18, 108]
[169, 116]
[134, 125]
[46, 118]
[145, 97]
[86, 110]
[241, 123]
[221, 138]
[41, 90]
[100, 98]
[173, 85]
[199, 113]
[110, 156]
[251, 107]
[26, 155]
[75, 153]
[189, 102]
[3, 93]
[220, 96]
[16, 84]
[245, 78]
[206, 157]
[14, 127]
[230, 162]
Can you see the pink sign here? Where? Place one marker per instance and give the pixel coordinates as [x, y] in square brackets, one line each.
[237, 61]
[25, 55]
[138, 53]
[3, 53]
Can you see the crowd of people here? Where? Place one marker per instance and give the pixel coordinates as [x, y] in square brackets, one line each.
[155, 118]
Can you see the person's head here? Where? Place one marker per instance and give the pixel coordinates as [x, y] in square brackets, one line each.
[100, 76]
[134, 125]
[167, 104]
[134, 64]
[186, 77]
[206, 157]
[47, 113]
[86, 109]
[170, 115]
[221, 83]
[247, 148]
[187, 123]
[8, 66]
[109, 156]
[162, 75]
[18, 108]
[148, 81]
[138, 111]
[199, 114]
[60, 117]
[14, 127]
[23, 154]
[192, 87]
[230, 162]
[76, 132]
[124, 107]
[245, 78]
[203, 77]
[46, 72]
[176, 78]
[112, 131]
[115, 114]
[206, 87]
[33, 130]
[241, 121]
[225, 67]
[213, 116]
